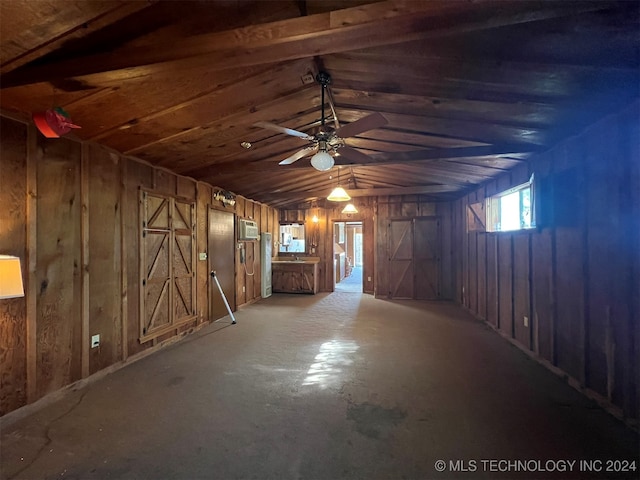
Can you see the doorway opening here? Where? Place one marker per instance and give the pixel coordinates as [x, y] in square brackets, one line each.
[347, 257]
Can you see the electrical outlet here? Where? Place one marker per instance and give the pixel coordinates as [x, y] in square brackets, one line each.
[368, 279]
[244, 289]
[307, 78]
[526, 321]
[95, 341]
[202, 256]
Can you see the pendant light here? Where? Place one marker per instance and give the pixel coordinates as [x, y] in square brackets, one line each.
[338, 194]
[349, 209]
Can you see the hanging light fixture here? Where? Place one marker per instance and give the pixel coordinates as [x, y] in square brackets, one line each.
[338, 194]
[322, 161]
[349, 209]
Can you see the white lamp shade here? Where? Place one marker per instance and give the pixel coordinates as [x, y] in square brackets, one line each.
[338, 195]
[350, 208]
[10, 277]
[322, 161]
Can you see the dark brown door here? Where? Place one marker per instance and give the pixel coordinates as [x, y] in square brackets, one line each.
[222, 260]
[426, 239]
[400, 259]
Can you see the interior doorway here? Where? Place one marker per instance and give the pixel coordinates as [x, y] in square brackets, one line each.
[348, 258]
[221, 249]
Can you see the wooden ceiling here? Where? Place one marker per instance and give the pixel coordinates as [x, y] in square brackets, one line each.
[469, 89]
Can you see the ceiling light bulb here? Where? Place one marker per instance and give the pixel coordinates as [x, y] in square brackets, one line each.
[338, 195]
[322, 161]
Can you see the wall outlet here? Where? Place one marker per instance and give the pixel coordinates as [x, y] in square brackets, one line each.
[244, 289]
[95, 341]
[368, 279]
[526, 321]
[202, 256]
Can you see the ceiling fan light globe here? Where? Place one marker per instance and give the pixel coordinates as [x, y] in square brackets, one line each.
[322, 161]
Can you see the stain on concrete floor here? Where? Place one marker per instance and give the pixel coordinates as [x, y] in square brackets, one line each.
[375, 421]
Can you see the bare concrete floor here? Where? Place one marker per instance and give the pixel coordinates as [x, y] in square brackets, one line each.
[332, 386]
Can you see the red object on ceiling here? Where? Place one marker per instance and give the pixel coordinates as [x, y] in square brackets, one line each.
[53, 123]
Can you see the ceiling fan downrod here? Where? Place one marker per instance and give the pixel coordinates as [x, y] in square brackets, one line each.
[324, 79]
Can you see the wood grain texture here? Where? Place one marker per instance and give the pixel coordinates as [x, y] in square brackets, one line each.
[138, 175]
[543, 290]
[13, 241]
[202, 270]
[505, 283]
[521, 289]
[59, 324]
[105, 262]
[493, 286]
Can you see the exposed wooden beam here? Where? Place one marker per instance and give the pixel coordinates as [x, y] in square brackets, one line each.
[368, 192]
[74, 28]
[383, 23]
[443, 154]
[230, 168]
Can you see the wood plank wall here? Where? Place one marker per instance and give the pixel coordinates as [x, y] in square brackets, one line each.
[328, 214]
[575, 277]
[374, 213]
[70, 212]
[410, 207]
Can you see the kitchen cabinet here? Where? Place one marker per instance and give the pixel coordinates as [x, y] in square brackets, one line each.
[294, 276]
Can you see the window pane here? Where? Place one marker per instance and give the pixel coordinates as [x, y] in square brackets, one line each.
[510, 211]
[526, 207]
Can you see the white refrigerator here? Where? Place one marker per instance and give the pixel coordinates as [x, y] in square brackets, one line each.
[266, 248]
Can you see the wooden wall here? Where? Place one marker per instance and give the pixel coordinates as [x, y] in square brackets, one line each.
[70, 212]
[323, 232]
[575, 277]
[374, 213]
[248, 275]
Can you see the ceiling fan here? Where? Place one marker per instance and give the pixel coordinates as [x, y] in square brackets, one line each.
[328, 141]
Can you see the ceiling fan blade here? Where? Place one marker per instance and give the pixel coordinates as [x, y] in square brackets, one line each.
[278, 128]
[370, 122]
[354, 155]
[298, 155]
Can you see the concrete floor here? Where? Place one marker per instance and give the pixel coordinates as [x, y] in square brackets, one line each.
[331, 386]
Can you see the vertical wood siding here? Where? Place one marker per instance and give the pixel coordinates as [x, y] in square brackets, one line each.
[575, 277]
[70, 212]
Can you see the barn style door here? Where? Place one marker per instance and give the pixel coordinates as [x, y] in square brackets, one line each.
[414, 258]
[167, 264]
[400, 259]
[426, 236]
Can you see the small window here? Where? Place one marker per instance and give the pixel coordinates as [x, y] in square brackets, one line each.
[512, 209]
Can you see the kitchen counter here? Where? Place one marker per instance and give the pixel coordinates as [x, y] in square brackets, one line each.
[285, 260]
